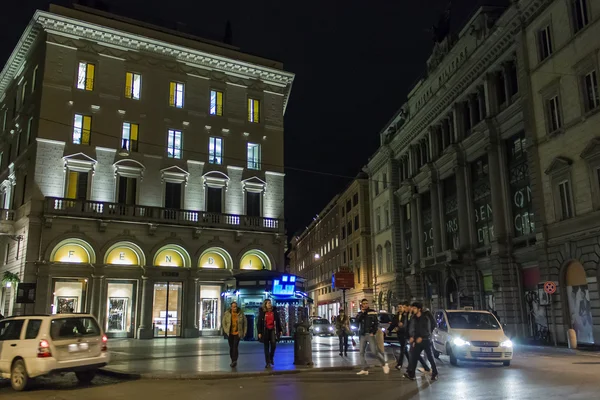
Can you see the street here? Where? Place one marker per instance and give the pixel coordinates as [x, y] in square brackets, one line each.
[543, 374]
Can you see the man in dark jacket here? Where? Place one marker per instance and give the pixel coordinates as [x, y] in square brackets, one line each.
[269, 330]
[400, 326]
[420, 339]
[368, 327]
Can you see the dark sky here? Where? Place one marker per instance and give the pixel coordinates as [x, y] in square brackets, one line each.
[354, 61]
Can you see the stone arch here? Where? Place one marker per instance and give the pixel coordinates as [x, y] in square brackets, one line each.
[171, 255]
[255, 256]
[225, 262]
[124, 252]
[576, 297]
[73, 250]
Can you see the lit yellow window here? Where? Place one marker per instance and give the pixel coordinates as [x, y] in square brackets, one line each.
[85, 76]
[133, 85]
[253, 110]
[216, 102]
[130, 136]
[77, 184]
[82, 126]
[176, 94]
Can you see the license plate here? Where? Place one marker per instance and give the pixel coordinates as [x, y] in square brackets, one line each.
[73, 348]
[486, 350]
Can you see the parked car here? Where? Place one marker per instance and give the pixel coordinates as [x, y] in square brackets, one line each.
[36, 345]
[321, 327]
[471, 336]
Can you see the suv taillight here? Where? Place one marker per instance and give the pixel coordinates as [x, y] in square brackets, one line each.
[44, 349]
[104, 343]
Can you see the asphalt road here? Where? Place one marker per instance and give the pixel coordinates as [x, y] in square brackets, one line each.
[532, 376]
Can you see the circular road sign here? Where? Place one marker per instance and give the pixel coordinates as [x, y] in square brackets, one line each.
[550, 287]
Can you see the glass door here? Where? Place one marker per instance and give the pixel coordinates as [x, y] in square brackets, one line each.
[120, 309]
[167, 309]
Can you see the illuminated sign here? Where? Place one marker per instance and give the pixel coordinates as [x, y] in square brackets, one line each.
[286, 285]
[71, 253]
[122, 256]
[169, 258]
[212, 260]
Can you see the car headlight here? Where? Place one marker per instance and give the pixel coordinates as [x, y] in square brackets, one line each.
[459, 342]
[354, 328]
[506, 343]
[330, 328]
[383, 329]
[317, 329]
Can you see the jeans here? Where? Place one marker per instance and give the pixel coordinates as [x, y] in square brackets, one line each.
[343, 342]
[415, 355]
[403, 352]
[270, 342]
[370, 340]
[234, 343]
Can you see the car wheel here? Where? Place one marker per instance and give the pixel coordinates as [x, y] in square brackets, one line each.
[85, 376]
[436, 354]
[453, 359]
[19, 380]
[506, 363]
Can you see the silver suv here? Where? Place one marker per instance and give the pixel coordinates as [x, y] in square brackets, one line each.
[36, 345]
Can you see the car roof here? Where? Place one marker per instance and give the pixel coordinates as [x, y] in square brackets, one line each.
[467, 311]
[51, 316]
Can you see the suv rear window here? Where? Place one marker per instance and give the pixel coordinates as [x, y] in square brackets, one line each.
[10, 329]
[33, 328]
[74, 327]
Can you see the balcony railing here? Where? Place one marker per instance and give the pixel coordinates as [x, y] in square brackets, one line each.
[7, 215]
[124, 212]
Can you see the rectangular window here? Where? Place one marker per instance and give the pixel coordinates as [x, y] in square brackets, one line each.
[356, 223]
[215, 150]
[23, 92]
[34, 78]
[85, 76]
[378, 220]
[385, 184]
[216, 102]
[580, 14]
[386, 215]
[133, 85]
[173, 195]
[544, 43]
[127, 190]
[253, 204]
[4, 117]
[553, 110]
[24, 193]
[176, 95]
[130, 136]
[376, 187]
[33, 329]
[253, 156]
[253, 110]
[82, 126]
[343, 232]
[566, 202]
[77, 185]
[590, 86]
[174, 144]
[214, 199]
[348, 206]
[18, 140]
[357, 250]
[29, 125]
[355, 199]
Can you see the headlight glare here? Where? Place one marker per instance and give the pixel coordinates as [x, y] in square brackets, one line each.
[506, 343]
[459, 342]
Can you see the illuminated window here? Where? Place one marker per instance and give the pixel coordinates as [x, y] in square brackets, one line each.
[130, 136]
[77, 185]
[253, 110]
[216, 102]
[174, 144]
[215, 150]
[253, 156]
[133, 85]
[82, 126]
[176, 94]
[85, 76]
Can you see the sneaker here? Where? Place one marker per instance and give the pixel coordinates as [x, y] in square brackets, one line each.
[363, 372]
[386, 369]
[234, 364]
[267, 366]
[434, 377]
[272, 362]
[398, 367]
[345, 354]
[424, 371]
[340, 353]
[407, 376]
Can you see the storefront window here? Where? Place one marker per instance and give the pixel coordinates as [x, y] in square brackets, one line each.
[69, 296]
[520, 189]
[120, 308]
[210, 315]
[167, 309]
[482, 201]
[427, 224]
[451, 213]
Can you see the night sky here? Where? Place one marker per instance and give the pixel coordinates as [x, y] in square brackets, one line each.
[355, 62]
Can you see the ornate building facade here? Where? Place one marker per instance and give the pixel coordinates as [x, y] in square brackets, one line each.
[141, 169]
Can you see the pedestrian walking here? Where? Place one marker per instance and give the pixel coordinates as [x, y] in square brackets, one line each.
[368, 325]
[269, 330]
[410, 314]
[399, 325]
[420, 340]
[235, 327]
[342, 330]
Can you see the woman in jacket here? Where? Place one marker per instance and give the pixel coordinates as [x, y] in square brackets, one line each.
[269, 330]
[342, 330]
[234, 327]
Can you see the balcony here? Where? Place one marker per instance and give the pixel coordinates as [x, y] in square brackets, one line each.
[56, 206]
[7, 218]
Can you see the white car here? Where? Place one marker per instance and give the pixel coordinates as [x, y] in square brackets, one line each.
[36, 345]
[467, 335]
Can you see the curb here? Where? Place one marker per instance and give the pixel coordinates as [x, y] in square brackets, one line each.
[216, 375]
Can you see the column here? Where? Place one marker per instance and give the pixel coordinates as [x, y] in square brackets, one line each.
[497, 193]
[145, 330]
[506, 74]
[415, 232]
[472, 108]
[191, 313]
[433, 147]
[491, 95]
[96, 296]
[463, 210]
[445, 133]
[481, 100]
[435, 216]
[458, 125]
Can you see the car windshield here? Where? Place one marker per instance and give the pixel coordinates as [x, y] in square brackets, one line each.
[74, 327]
[472, 320]
[320, 322]
[384, 318]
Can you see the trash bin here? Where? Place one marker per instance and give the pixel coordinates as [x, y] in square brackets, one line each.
[302, 345]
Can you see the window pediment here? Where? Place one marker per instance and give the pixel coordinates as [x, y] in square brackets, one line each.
[216, 179]
[254, 184]
[79, 162]
[559, 165]
[174, 174]
[592, 150]
[129, 169]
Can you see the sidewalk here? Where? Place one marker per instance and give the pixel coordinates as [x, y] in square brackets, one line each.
[209, 358]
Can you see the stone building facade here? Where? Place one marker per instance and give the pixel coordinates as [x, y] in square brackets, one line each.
[141, 170]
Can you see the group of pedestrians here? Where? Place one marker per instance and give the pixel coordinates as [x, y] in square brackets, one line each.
[412, 324]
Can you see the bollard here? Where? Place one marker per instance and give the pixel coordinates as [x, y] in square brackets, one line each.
[302, 345]
[572, 337]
